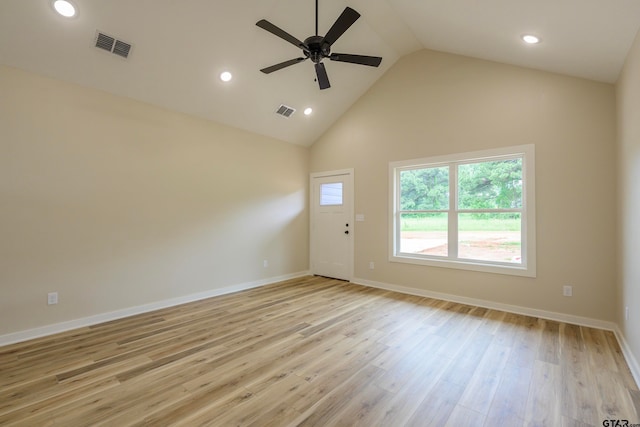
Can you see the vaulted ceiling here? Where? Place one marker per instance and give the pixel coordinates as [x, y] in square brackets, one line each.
[179, 49]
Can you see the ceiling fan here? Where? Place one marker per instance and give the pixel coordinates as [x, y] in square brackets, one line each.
[317, 47]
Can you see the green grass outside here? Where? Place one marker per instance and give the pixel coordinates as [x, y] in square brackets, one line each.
[438, 222]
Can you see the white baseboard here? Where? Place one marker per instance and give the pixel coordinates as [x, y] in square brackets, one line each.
[628, 355]
[543, 314]
[145, 308]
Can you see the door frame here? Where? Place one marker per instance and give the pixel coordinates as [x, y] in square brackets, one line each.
[348, 175]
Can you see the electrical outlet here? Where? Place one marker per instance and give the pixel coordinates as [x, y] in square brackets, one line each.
[567, 290]
[52, 298]
[371, 265]
[265, 263]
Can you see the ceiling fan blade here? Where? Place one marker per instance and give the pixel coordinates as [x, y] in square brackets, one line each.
[282, 65]
[372, 61]
[266, 25]
[342, 24]
[323, 79]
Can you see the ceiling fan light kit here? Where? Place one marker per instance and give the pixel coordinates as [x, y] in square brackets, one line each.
[318, 47]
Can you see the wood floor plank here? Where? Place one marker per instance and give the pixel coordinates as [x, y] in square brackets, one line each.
[526, 342]
[350, 353]
[613, 399]
[437, 406]
[482, 386]
[26, 373]
[464, 417]
[462, 368]
[408, 365]
[327, 409]
[635, 397]
[459, 329]
[28, 414]
[406, 401]
[570, 422]
[365, 407]
[578, 397]
[491, 322]
[544, 397]
[621, 363]
[317, 351]
[49, 387]
[599, 353]
[549, 349]
[398, 350]
[211, 413]
[509, 403]
[204, 403]
[508, 329]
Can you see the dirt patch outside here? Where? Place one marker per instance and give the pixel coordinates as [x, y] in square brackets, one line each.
[501, 246]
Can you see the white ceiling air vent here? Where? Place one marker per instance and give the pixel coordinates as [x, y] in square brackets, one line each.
[111, 44]
[285, 111]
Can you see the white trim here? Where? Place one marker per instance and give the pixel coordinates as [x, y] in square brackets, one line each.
[462, 264]
[634, 366]
[332, 173]
[470, 156]
[350, 206]
[131, 311]
[543, 314]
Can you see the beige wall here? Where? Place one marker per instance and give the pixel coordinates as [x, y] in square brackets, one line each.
[433, 103]
[114, 203]
[628, 91]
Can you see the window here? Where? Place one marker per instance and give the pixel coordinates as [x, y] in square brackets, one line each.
[473, 211]
[331, 194]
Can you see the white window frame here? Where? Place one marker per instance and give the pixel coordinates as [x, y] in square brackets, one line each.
[526, 268]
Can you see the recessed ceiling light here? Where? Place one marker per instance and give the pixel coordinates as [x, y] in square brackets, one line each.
[225, 76]
[530, 39]
[308, 111]
[65, 8]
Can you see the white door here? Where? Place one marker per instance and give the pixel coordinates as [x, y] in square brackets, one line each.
[332, 224]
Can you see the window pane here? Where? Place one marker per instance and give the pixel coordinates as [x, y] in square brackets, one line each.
[331, 194]
[490, 185]
[490, 237]
[424, 233]
[424, 189]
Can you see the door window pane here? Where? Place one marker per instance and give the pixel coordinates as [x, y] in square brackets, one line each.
[424, 233]
[331, 194]
[490, 237]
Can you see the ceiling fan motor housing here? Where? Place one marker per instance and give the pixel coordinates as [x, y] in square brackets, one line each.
[318, 48]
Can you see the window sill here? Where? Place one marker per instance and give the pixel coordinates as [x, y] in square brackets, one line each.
[512, 270]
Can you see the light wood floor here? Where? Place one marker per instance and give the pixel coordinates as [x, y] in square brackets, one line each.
[319, 352]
